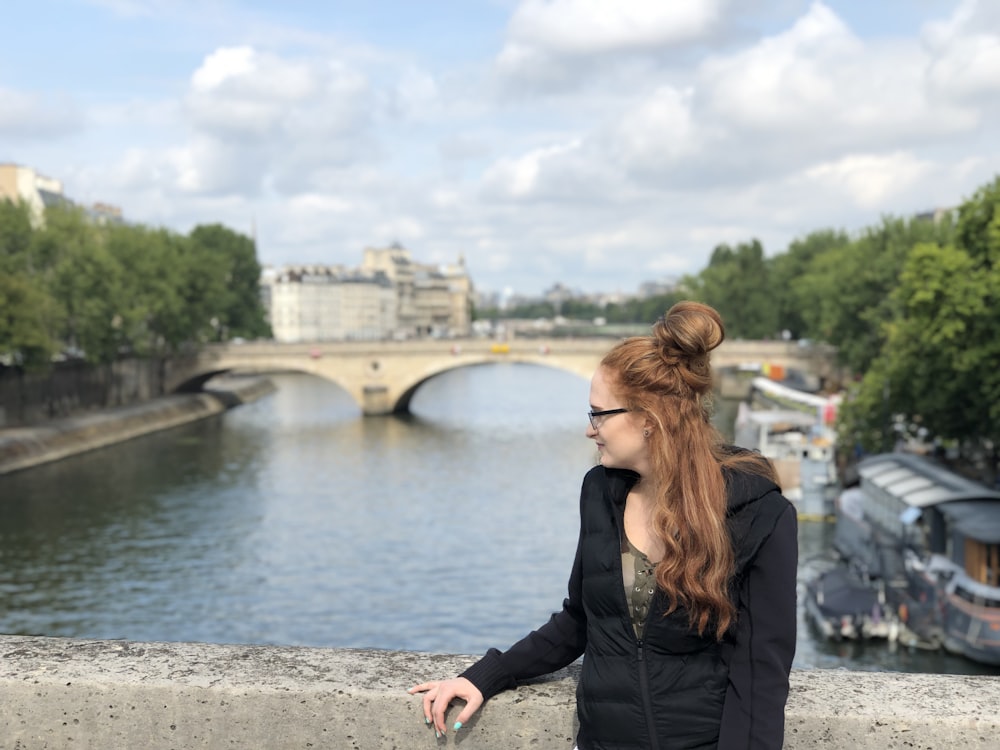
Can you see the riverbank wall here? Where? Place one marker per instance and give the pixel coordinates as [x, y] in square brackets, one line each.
[26, 447]
[63, 693]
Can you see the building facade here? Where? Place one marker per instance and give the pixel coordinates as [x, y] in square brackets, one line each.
[38, 192]
[24, 184]
[328, 303]
[432, 300]
[388, 296]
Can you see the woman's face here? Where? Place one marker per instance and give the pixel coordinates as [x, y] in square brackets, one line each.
[619, 437]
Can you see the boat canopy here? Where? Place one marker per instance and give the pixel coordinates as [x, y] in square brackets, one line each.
[970, 507]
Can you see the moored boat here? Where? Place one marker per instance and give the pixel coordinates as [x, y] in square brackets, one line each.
[801, 448]
[843, 606]
[930, 540]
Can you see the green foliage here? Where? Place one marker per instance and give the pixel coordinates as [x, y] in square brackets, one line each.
[936, 367]
[15, 237]
[525, 311]
[25, 321]
[978, 230]
[796, 301]
[644, 310]
[104, 292]
[737, 284]
[634, 310]
[846, 291]
[83, 281]
[233, 259]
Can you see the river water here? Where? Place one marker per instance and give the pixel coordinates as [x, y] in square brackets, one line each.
[296, 521]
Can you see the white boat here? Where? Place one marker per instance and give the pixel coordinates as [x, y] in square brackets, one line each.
[801, 447]
[777, 396]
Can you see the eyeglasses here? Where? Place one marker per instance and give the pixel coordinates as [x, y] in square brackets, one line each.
[596, 417]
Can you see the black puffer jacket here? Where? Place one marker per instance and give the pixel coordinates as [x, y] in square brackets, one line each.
[674, 689]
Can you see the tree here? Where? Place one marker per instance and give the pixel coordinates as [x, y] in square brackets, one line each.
[978, 228]
[85, 282]
[231, 258]
[937, 366]
[151, 313]
[928, 372]
[736, 283]
[786, 271]
[26, 313]
[15, 237]
[847, 290]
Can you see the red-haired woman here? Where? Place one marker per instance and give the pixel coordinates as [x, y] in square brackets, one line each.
[682, 593]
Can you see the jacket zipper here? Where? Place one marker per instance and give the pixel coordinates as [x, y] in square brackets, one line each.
[640, 653]
[647, 701]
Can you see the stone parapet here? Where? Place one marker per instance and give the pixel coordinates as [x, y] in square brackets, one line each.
[61, 693]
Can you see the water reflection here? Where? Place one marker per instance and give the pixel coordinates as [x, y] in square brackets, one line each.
[98, 543]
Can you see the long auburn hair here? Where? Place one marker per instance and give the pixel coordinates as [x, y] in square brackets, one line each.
[667, 377]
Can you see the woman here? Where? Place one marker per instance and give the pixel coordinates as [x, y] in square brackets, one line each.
[682, 593]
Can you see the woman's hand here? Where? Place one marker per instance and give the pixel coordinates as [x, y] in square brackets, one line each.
[439, 694]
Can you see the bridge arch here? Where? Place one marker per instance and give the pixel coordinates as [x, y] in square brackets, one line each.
[407, 390]
[383, 376]
[196, 383]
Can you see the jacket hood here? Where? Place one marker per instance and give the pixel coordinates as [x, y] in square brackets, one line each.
[742, 488]
[619, 482]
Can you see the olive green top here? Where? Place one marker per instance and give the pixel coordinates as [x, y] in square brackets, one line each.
[640, 583]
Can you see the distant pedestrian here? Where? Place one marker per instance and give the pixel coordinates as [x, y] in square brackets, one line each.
[682, 593]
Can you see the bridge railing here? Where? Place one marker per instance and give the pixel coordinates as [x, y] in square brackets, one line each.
[61, 693]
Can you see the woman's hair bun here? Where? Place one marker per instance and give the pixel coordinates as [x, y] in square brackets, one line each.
[689, 330]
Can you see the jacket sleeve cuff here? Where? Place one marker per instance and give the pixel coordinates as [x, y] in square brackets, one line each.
[488, 675]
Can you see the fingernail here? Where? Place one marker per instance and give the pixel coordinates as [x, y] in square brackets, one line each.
[458, 725]
[427, 720]
[437, 734]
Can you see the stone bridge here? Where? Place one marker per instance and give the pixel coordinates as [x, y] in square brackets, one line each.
[382, 376]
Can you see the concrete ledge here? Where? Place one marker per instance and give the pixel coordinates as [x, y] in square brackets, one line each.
[25, 447]
[62, 693]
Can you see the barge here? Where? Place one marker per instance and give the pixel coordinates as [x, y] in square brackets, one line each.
[926, 541]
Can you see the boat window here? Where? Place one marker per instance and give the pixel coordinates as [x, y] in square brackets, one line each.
[982, 562]
[980, 601]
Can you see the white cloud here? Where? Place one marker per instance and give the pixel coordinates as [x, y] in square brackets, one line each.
[30, 116]
[255, 118]
[585, 27]
[519, 177]
[643, 133]
[870, 180]
[818, 80]
[554, 45]
[240, 91]
[403, 229]
[809, 95]
[416, 95]
[966, 51]
[657, 132]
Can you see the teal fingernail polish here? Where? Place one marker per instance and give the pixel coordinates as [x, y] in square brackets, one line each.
[426, 720]
[437, 734]
[458, 725]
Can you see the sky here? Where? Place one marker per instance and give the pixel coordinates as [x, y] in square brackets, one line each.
[598, 144]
